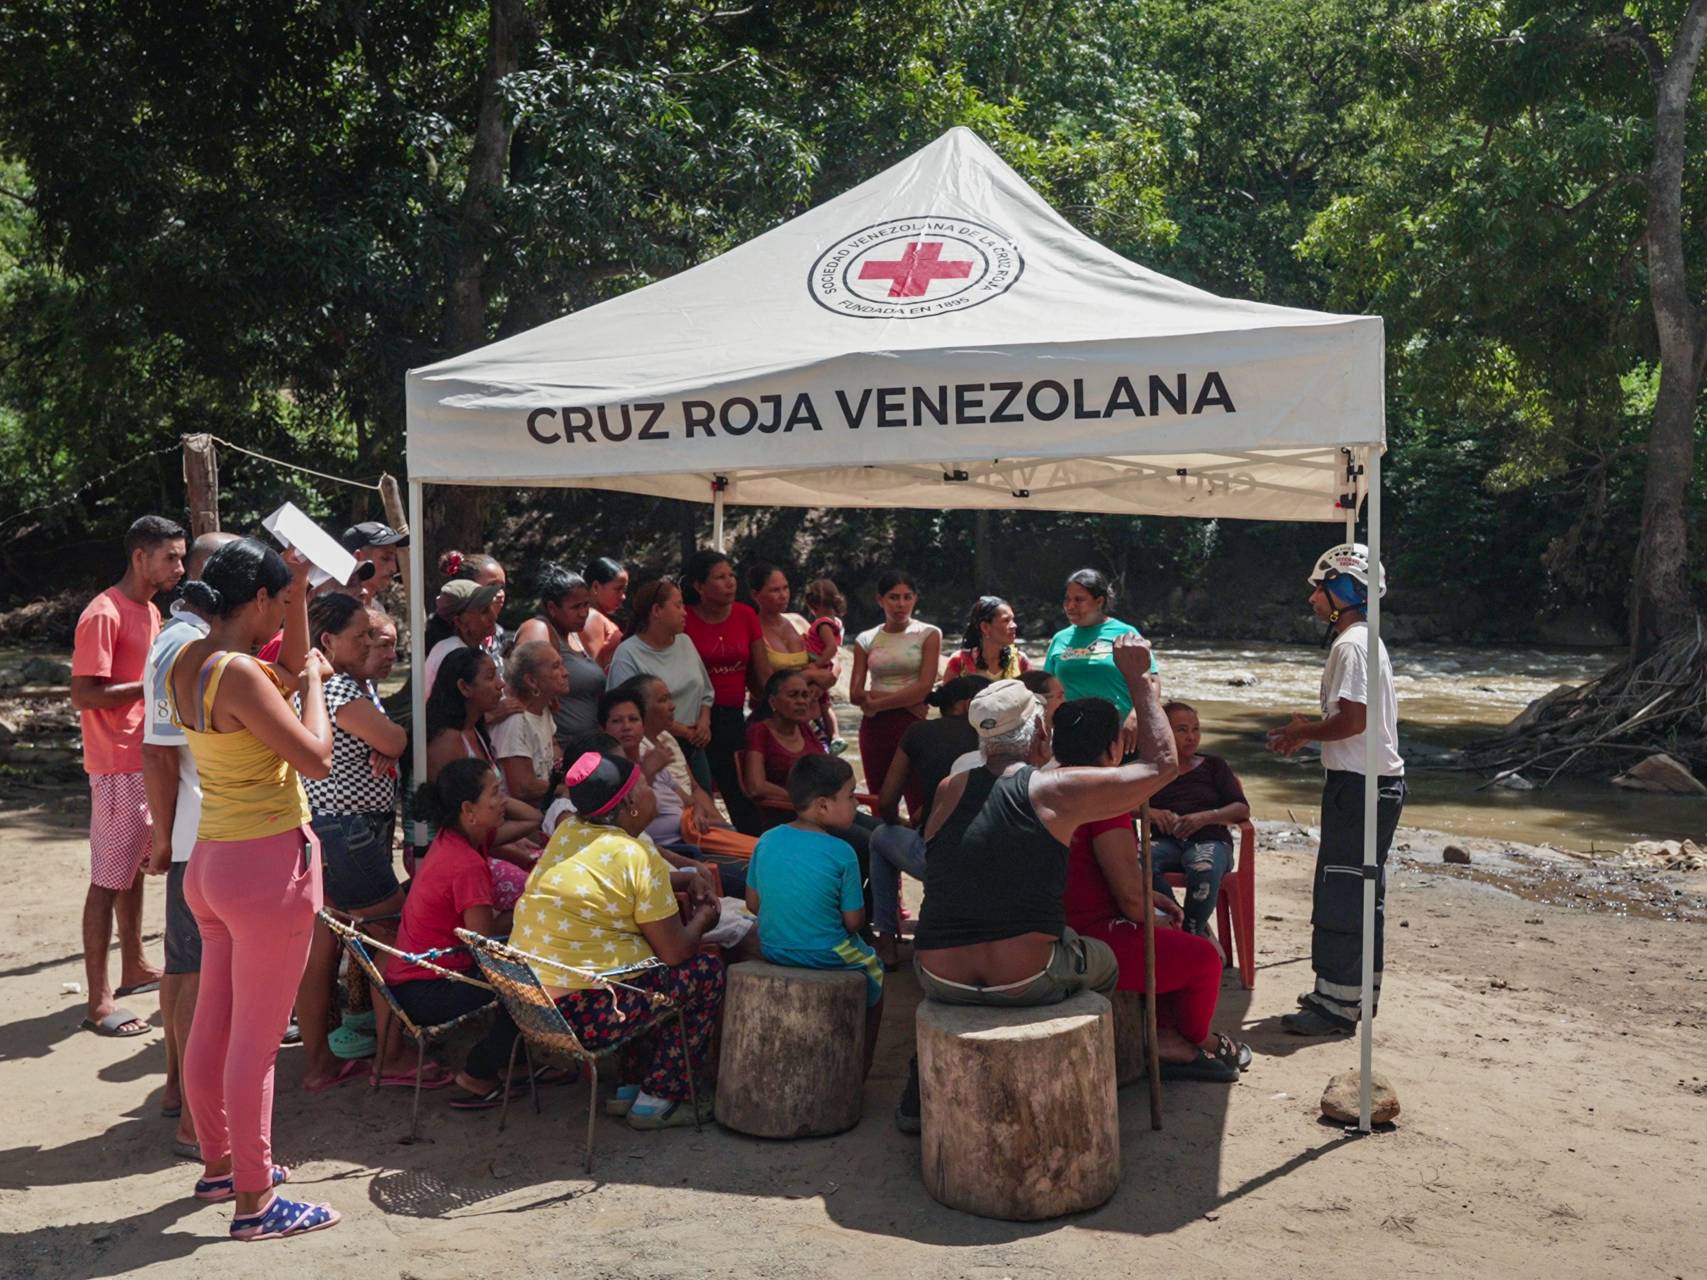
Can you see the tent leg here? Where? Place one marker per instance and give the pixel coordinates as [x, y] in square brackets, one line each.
[1371, 798]
[417, 596]
[717, 517]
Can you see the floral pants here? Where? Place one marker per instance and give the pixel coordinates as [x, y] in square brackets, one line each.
[656, 1061]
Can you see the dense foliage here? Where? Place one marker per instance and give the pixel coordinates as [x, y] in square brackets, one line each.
[250, 218]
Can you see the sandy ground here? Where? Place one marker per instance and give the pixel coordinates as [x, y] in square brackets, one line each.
[1549, 1060]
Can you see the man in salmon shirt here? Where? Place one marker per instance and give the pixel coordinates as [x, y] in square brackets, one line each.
[111, 647]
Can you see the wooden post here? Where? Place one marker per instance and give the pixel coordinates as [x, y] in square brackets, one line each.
[1147, 869]
[201, 483]
[392, 497]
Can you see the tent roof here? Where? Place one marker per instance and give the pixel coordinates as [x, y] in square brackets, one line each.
[938, 336]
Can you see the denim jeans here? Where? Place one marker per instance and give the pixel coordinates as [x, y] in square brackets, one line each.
[894, 849]
[1203, 863]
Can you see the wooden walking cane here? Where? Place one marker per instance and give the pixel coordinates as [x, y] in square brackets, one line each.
[1152, 1056]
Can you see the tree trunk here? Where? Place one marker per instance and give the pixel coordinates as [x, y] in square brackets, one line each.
[455, 516]
[1662, 603]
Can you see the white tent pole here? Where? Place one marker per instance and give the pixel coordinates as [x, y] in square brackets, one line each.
[717, 514]
[417, 594]
[1371, 791]
[1351, 485]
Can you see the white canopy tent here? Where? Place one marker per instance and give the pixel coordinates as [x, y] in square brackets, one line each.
[936, 337]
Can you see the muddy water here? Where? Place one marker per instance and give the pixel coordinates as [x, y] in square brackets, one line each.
[1447, 697]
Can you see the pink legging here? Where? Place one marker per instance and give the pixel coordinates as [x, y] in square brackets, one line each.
[254, 901]
[1188, 972]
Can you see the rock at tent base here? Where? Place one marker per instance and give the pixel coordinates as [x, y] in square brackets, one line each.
[1339, 1100]
[1456, 853]
[1661, 773]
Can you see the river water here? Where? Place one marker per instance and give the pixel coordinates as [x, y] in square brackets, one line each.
[1447, 697]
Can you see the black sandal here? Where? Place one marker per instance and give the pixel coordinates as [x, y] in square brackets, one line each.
[1235, 1053]
[1205, 1067]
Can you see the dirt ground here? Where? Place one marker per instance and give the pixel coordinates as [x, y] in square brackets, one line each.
[1549, 1061]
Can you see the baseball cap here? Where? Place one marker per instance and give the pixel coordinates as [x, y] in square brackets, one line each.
[1001, 708]
[464, 593]
[371, 533]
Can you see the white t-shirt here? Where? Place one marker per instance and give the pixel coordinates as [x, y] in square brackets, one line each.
[1347, 676]
[158, 729]
[529, 735]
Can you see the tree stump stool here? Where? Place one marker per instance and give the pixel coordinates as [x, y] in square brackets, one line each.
[792, 1063]
[1019, 1119]
[1130, 1065]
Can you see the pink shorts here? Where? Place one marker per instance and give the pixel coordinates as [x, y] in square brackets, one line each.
[508, 881]
[120, 830]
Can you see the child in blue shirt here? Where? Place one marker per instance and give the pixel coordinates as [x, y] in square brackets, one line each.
[804, 885]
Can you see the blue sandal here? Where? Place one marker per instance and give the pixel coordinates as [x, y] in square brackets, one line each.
[215, 1190]
[283, 1218]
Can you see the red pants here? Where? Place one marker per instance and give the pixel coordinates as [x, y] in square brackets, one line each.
[879, 738]
[1188, 972]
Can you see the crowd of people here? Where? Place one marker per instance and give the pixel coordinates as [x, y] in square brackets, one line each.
[605, 783]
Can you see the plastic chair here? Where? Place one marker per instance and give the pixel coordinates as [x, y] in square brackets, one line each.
[1236, 907]
[357, 944]
[546, 1031]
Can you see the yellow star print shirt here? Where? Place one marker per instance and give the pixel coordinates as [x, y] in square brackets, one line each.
[587, 898]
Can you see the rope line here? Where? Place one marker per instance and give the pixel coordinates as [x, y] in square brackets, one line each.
[83, 488]
[291, 466]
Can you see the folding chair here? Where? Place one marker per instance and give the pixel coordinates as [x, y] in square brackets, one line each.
[361, 948]
[544, 1028]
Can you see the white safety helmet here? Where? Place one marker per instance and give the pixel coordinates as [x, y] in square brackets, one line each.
[1348, 560]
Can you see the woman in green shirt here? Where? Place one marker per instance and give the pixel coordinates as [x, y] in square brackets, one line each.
[1081, 654]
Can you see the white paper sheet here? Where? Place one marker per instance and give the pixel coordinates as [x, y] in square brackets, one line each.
[291, 527]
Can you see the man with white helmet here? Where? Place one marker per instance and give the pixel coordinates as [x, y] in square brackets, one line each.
[1339, 594]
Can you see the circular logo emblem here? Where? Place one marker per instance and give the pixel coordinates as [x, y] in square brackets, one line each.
[910, 268]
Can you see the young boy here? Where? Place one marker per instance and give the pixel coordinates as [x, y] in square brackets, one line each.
[804, 885]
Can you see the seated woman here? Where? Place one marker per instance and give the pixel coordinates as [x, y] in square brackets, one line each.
[603, 900]
[990, 646]
[468, 688]
[623, 713]
[565, 605]
[805, 886]
[1189, 821]
[453, 889]
[1106, 898]
[927, 754]
[526, 743]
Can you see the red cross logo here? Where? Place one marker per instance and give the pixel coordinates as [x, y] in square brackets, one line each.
[919, 264]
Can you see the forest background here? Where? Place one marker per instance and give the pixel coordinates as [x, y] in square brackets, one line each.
[250, 218]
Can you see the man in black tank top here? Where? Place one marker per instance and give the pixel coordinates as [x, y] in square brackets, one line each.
[992, 930]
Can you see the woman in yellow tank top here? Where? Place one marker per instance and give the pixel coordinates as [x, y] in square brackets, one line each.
[254, 875]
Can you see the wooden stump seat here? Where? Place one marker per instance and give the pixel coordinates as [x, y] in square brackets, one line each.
[1018, 1109]
[792, 1063]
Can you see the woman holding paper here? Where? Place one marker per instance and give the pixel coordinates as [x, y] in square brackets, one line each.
[254, 877]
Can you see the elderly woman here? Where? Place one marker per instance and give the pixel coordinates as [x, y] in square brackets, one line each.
[565, 604]
[525, 744]
[992, 929]
[602, 899]
[1106, 898]
[623, 713]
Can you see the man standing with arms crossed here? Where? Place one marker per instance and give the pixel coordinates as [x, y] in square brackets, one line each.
[175, 803]
[1339, 595]
[111, 646]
